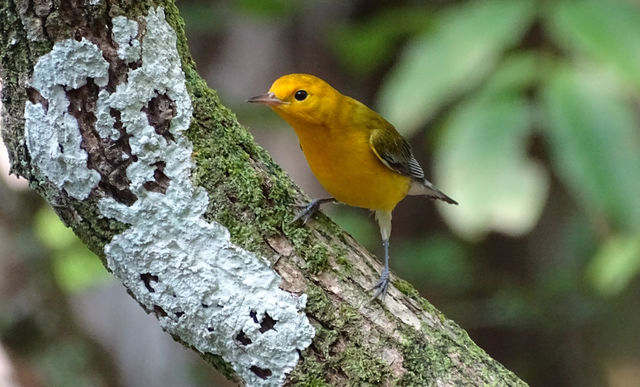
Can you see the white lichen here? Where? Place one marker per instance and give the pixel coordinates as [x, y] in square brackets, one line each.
[211, 293]
[52, 134]
[124, 32]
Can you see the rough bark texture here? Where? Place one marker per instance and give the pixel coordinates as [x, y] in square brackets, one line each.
[402, 340]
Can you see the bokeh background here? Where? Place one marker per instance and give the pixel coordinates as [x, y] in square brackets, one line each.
[524, 111]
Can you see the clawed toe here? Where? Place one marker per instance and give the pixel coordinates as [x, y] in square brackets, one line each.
[381, 287]
[306, 213]
[311, 209]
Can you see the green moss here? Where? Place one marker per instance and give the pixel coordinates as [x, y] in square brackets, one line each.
[406, 288]
[174, 19]
[324, 340]
[249, 194]
[296, 234]
[317, 258]
[359, 364]
[422, 360]
[426, 360]
[348, 318]
[343, 261]
[95, 231]
[37, 49]
[309, 372]
[362, 368]
[318, 304]
[339, 342]
[221, 365]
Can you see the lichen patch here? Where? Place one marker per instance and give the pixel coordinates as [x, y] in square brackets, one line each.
[119, 135]
[125, 34]
[51, 131]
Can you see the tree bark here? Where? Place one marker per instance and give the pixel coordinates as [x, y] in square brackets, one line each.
[107, 118]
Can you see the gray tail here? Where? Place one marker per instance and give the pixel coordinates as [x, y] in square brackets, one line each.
[434, 193]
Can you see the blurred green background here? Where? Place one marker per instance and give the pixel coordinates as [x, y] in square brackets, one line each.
[526, 112]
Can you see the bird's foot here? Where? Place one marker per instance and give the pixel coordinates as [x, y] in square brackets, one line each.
[307, 212]
[311, 209]
[381, 287]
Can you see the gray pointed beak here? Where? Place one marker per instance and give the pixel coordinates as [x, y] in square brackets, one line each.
[267, 99]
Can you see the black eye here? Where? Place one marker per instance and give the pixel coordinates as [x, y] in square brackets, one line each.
[301, 95]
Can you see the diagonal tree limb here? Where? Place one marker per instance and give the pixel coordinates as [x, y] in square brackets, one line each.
[106, 116]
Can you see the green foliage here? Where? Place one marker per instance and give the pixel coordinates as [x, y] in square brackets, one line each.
[75, 267]
[437, 260]
[607, 32]
[505, 190]
[595, 143]
[454, 57]
[531, 112]
[202, 18]
[68, 362]
[486, 76]
[615, 264]
[366, 46]
[268, 8]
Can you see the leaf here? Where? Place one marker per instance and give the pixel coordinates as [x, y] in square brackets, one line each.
[51, 231]
[454, 57]
[595, 145]
[444, 258]
[365, 46]
[516, 73]
[615, 264]
[608, 31]
[77, 269]
[481, 162]
[269, 8]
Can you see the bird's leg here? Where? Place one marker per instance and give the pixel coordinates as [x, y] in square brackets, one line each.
[311, 209]
[384, 221]
[383, 282]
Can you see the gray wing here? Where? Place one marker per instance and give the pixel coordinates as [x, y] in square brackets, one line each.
[395, 153]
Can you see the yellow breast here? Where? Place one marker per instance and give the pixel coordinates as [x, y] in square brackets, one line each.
[343, 162]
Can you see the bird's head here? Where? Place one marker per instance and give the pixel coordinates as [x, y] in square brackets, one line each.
[300, 98]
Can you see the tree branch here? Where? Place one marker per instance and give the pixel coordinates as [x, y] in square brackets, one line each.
[107, 118]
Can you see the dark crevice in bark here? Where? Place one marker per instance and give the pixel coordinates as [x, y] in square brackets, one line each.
[93, 25]
[267, 322]
[159, 311]
[108, 157]
[147, 278]
[135, 64]
[161, 181]
[160, 111]
[35, 98]
[242, 338]
[262, 373]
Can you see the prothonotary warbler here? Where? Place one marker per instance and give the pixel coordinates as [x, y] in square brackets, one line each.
[357, 155]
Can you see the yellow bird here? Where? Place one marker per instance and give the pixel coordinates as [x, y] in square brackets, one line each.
[357, 155]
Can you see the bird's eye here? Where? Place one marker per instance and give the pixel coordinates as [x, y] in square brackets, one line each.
[301, 95]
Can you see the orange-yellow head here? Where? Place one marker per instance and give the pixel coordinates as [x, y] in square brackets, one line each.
[302, 99]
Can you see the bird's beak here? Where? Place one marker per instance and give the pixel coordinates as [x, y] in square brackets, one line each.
[267, 99]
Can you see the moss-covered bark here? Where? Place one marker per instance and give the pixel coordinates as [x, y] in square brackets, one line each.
[403, 340]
